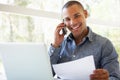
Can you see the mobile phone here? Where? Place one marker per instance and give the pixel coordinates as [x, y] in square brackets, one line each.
[64, 30]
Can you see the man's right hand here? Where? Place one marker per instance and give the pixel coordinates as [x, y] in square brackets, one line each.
[58, 38]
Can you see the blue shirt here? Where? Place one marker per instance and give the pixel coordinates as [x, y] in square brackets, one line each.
[101, 48]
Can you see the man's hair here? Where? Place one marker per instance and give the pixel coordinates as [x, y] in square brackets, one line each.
[70, 3]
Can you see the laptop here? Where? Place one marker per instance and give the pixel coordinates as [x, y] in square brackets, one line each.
[26, 61]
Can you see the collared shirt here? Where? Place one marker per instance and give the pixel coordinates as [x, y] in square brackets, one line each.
[100, 47]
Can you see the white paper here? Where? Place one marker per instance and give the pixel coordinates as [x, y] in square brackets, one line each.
[79, 69]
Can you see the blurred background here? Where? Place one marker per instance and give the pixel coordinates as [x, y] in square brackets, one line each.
[35, 20]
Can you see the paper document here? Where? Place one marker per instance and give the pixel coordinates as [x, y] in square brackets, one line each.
[79, 69]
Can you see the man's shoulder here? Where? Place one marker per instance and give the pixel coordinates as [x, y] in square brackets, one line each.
[100, 38]
[96, 37]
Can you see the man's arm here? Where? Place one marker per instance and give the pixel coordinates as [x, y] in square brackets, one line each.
[109, 63]
[54, 54]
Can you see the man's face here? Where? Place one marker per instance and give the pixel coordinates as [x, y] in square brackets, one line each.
[75, 19]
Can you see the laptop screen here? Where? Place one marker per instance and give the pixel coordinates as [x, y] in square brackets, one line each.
[26, 61]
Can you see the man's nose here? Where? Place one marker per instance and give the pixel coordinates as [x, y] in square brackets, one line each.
[73, 22]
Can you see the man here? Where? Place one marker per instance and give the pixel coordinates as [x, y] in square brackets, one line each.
[83, 42]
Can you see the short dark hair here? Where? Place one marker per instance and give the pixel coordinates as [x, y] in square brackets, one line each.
[70, 3]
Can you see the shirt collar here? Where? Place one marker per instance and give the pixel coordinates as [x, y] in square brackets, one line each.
[89, 36]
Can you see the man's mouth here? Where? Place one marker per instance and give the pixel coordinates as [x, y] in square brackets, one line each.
[76, 27]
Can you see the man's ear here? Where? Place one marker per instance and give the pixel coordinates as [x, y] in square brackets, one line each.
[85, 13]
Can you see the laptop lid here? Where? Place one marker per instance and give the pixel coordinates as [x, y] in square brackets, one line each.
[26, 61]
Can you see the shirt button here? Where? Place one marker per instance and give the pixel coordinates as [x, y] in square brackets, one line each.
[73, 55]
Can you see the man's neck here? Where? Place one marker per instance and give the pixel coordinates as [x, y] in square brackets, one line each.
[79, 39]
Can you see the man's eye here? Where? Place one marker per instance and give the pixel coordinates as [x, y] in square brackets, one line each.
[76, 16]
[67, 19]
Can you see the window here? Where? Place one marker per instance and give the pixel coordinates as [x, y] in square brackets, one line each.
[22, 28]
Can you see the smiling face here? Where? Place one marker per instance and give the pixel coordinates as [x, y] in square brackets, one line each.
[75, 19]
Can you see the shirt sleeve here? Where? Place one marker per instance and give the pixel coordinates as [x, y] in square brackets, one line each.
[110, 61]
[54, 54]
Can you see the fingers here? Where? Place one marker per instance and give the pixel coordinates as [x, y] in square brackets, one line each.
[99, 74]
[59, 27]
[58, 38]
